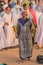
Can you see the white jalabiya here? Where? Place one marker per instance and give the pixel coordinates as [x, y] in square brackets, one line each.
[2, 36]
[40, 32]
[9, 33]
[37, 29]
[16, 14]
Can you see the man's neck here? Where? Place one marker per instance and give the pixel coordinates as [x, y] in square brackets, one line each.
[24, 19]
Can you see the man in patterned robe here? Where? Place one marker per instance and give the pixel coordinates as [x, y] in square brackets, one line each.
[24, 27]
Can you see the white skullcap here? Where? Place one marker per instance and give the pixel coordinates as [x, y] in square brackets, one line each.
[4, 6]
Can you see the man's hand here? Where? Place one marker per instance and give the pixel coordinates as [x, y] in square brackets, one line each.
[15, 28]
[6, 23]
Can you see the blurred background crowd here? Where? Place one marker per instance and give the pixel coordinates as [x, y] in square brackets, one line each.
[11, 11]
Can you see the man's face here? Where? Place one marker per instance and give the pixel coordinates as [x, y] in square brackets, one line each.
[26, 7]
[8, 9]
[24, 15]
[18, 2]
[31, 6]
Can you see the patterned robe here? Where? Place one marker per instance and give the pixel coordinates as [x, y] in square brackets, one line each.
[25, 39]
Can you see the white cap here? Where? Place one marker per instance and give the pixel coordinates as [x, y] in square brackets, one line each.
[4, 6]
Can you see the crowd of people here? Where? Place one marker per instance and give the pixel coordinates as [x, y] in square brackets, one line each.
[23, 26]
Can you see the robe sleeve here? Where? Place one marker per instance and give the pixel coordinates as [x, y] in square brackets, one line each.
[18, 29]
[32, 28]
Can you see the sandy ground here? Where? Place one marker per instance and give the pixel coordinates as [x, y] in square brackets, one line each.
[11, 57]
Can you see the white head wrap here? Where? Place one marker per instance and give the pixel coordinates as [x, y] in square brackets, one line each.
[4, 6]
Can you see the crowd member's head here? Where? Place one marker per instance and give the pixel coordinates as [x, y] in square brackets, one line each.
[25, 6]
[41, 2]
[4, 7]
[24, 15]
[39, 8]
[8, 9]
[18, 5]
[18, 2]
[31, 5]
[36, 2]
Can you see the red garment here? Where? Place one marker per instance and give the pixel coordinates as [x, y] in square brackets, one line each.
[33, 16]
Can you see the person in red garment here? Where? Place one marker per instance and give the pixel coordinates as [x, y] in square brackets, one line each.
[34, 20]
[33, 14]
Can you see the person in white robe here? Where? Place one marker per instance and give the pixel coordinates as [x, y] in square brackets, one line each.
[9, 33]
[16, 14]
[40, 32]
[38, 13]
[4, 9]
[2, 36]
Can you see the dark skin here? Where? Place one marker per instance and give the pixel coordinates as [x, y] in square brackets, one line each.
[24, 16]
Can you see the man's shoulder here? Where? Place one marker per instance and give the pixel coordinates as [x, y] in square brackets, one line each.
[28, 19]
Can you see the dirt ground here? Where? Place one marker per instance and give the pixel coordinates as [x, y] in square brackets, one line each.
[11, 57]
